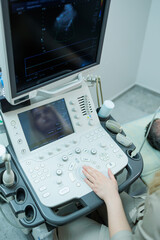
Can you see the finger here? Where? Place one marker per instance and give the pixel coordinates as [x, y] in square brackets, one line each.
[89, 183]
[110, 174]
[91, 171]
[88, 176]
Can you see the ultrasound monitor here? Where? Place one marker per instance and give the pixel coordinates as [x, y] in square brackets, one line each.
[44, 41]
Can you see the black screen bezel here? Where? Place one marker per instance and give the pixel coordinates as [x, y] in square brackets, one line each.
[48, 80]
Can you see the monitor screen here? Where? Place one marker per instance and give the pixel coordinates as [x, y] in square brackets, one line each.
[48, 40]
[45, 124]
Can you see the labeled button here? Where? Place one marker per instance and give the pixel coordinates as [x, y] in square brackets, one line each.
[64, 190]
[102, 144]
[45, 170]
[85, 159]
[41, 189]
[13, 123]
[28, 162]
[71, 176]
[119, 155]
[71, 166]
[43, 178]
[78, 184]
[23, 151]
[110, 165]
[85, 150]
[36, 168]
[115, 150]
[47, 194]
[59, 180]
[37, 181]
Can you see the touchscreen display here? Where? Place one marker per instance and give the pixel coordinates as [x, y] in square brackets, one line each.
[45, 124]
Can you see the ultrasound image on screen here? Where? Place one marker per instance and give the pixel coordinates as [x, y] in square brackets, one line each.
[46, 124]
[52, 38]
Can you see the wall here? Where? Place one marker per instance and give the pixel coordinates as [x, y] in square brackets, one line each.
[122, 46]
[149, 68]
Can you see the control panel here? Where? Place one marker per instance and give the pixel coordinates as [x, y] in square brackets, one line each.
[54, 138]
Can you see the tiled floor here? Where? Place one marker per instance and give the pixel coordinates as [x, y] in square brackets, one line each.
[136, 103]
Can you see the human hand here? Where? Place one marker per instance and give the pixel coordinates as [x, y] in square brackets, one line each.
[105, 187]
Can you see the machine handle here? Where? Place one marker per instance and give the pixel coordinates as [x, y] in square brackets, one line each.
[89, 201]
[134, 170]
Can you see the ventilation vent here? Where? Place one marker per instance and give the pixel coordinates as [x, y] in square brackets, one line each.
[85, 105]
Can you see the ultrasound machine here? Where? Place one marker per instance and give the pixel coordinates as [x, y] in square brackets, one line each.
[50, 119]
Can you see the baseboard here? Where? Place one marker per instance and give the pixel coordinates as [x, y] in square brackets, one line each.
[150, 89]
[122, 92]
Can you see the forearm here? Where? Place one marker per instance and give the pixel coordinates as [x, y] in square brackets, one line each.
[116, 216]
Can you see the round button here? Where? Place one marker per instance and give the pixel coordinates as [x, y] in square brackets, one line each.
[79, 124]
[59, 180]
[58, 149]
[72, 102]
[19, 141]
[50, 153]
[93, 151]
[23, 151]
[41, 157]
[65, 158]
[91, 122]
[59, 172]
[66, 145]
[42, 165]
[76, 117]
[74, 110]
[78, 150]
[74, 141]
[13, 123]
[78, 184]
